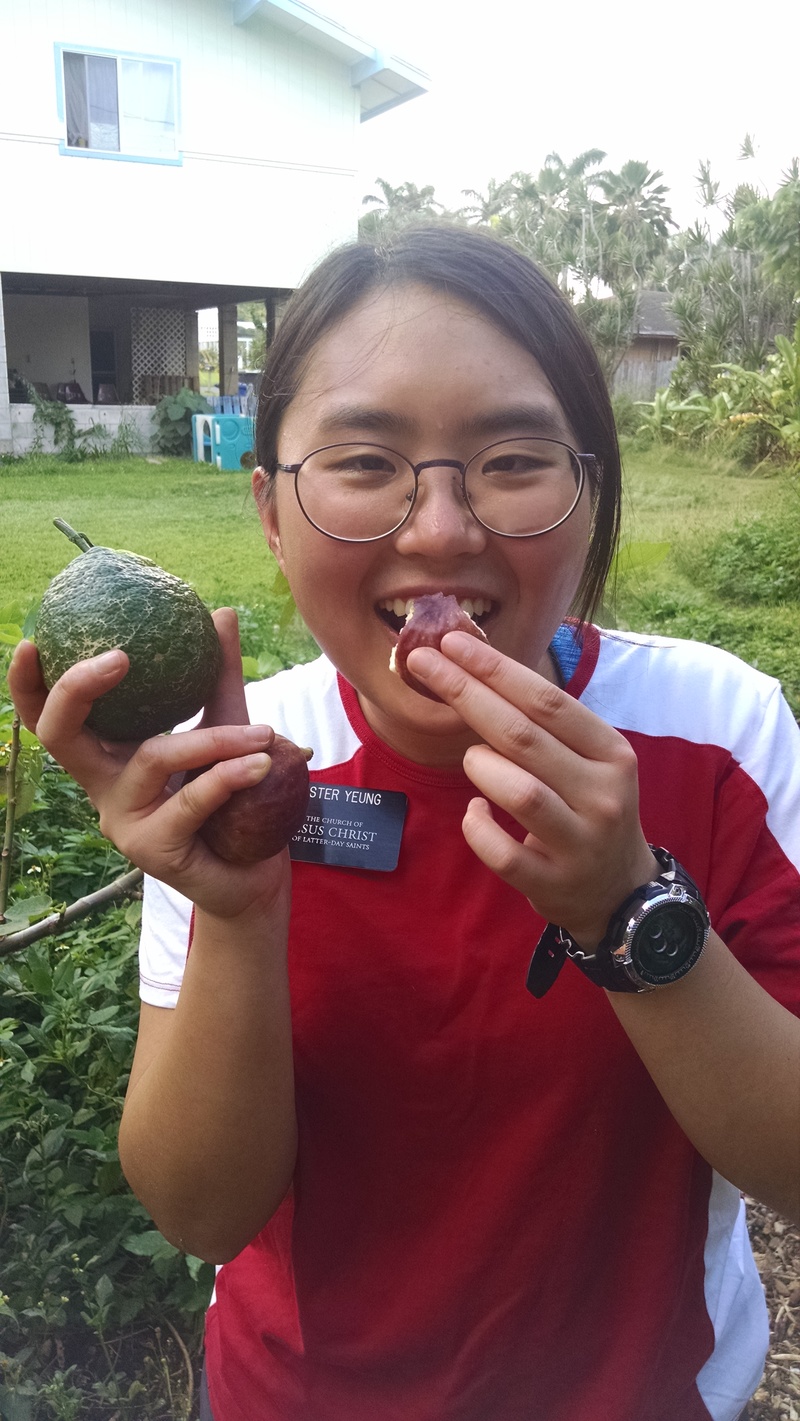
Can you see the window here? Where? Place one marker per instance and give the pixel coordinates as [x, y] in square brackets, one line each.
[120, 104]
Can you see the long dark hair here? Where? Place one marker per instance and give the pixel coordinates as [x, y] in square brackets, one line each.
[510, 291]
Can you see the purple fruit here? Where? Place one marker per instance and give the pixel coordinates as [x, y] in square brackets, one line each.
[431, 616]
[257, 822]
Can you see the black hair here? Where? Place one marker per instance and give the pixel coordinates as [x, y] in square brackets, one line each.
[510, 291]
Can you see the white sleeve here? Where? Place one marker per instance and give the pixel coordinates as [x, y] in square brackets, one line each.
[166, 930]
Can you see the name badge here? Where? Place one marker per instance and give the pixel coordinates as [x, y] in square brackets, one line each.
[349, 827]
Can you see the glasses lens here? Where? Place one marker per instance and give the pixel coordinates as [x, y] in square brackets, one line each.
[523, 486]
[355, 491]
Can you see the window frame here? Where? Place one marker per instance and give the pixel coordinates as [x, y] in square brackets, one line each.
[126, 155]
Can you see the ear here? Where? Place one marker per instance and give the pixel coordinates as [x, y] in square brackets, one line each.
[264, 496]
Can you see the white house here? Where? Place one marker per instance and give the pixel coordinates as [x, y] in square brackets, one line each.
[158, 157]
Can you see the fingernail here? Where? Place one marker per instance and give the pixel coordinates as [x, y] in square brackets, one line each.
[258, 732]
[422, 661]
[256, 766]
[108, 662]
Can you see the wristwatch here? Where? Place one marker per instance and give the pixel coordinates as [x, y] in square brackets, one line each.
[655, 937]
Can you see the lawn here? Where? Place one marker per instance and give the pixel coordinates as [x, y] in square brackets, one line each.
[711, 586]
[197, 522]
[202, 525]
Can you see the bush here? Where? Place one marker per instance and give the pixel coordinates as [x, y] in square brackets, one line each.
[758, 562]
[174, 419]
[626, 414]
[86, 1278]
[99, 1315]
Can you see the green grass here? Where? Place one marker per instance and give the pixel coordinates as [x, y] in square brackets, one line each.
[728, 577]
[202, 525]
[199, 523]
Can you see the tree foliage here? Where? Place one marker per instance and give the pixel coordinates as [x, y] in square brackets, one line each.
[605, 236]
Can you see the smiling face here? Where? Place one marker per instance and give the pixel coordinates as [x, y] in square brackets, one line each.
[429, 376]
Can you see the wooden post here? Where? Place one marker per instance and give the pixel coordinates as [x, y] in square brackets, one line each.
[269, 311]
[228, 350]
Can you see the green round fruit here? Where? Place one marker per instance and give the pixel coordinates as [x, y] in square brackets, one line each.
[106, 599]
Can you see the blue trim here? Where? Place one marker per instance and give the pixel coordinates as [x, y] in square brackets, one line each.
[59, 47]
[567, 647]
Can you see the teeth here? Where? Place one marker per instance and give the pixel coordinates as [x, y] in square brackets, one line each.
[473, 606]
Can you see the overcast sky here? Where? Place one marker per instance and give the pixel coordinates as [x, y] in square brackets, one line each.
[666, 83]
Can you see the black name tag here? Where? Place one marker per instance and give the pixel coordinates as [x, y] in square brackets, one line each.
[350, 827]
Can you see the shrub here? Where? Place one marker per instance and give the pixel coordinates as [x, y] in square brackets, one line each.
[758, 562]
[99, 1315]
[174, 419]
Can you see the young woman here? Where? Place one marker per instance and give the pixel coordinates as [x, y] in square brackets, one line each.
[437, 1196]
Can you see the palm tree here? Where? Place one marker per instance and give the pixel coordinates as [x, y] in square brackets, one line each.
[488, 206]
[636, 221]
[397, 207]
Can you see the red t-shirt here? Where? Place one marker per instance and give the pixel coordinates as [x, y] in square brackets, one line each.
[494, 1216]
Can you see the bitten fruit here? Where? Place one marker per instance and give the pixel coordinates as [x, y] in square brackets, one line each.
[257, 822]
[430, 617]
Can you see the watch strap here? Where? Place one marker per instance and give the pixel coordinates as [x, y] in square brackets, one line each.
[555, 944]
[549, 956]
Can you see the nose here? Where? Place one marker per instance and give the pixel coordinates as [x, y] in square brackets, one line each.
[440, 522]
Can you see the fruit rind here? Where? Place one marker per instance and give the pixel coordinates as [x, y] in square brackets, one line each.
[106, 598]
[257, 823]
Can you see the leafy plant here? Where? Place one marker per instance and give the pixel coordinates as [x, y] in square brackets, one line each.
[99, 1314]
[174, 419]
[72, 444]
[81, 1261]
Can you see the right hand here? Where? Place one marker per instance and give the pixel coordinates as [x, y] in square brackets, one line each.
[152, 817]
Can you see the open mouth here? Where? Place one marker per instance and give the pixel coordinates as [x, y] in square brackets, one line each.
[394, 611]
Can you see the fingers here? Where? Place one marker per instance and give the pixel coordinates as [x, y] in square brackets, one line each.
[26, 684]
[228, 705]
[145, 777]
[465, 673]
[524, 796]
[58, 716]
[563, 775]
[186, 812]
[517, 864]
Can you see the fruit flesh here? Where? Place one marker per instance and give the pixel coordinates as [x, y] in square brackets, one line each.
[256, 823]
[105, 599]
[430, 618]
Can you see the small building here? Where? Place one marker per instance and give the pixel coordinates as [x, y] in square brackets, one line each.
[653, 352]
[158, 159]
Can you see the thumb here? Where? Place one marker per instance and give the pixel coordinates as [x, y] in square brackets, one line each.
[228, 706]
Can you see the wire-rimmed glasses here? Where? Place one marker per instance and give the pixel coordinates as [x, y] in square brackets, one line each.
[518, 488]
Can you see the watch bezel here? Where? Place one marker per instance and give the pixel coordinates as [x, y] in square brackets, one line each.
[623, 957]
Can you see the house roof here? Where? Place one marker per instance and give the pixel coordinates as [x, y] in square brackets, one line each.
[186, 295]
[653, 317]
[383, 80]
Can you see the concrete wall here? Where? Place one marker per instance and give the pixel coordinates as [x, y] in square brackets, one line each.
[47, 339]
[140, 417]
[268, 130]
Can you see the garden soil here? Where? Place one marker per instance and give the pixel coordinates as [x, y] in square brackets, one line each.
[776, 1245]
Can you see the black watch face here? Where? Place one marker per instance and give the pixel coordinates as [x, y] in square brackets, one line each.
[668, 942]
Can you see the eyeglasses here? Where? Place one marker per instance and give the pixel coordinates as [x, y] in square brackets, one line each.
[519, 488]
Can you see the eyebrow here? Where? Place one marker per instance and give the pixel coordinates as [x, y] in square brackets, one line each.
[542, 419]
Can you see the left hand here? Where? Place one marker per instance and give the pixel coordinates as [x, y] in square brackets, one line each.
[563, 774]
